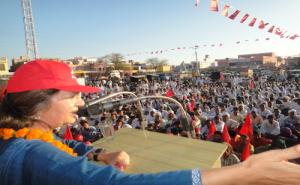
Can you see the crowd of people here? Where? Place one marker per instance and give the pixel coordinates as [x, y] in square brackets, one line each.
[273, 108]
[43, 95]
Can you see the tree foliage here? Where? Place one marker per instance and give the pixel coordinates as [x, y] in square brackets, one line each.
[156, 61]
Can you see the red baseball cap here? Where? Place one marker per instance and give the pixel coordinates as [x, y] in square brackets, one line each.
[44, 74]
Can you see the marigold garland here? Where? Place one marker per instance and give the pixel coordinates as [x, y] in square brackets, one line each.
[29, 134]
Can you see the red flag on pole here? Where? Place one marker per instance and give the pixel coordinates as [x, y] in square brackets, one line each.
[233, 16]
[169, 93]
[271, 29]
[68, 134]
[225, 10]
[251, 84]
[214, 5]
[247, 128]
[262, 24]
[244, 18]
[225, 135]
[246, 152]
[252, 22]
[212, 129]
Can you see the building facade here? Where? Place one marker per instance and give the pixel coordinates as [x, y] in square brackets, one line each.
[4, 66]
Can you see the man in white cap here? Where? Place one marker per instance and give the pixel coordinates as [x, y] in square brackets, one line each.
[231, 124]
[270, 128]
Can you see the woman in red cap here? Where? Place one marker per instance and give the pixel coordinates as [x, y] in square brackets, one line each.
[43, 95]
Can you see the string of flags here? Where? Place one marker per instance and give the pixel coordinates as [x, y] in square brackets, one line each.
[262, 24]
[231, 13]
[183, 48]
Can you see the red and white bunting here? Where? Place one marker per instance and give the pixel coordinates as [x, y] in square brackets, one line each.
[181, 49]
[262, 24]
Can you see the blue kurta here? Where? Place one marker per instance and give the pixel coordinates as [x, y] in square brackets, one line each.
[34, 162]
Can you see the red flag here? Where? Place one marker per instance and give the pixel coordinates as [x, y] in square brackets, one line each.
[68, 134]
[294, 37]
[251, 84]
[192, 105]
[2, 92]
[212, 130]
[214, 5]
[169, 93]
[244, 18]
[252, 22]
[225, 10]
[247, 128]
[233, 16]
[271, 29]
[262, 24]
[278, 31]
[246, 152]
[225, 135]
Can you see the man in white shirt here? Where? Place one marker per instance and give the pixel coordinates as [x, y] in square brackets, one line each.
[231, 124]
[270, 128]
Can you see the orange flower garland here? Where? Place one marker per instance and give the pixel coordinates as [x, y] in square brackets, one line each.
[29, 134]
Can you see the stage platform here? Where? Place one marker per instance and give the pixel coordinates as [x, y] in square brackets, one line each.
[152, 152]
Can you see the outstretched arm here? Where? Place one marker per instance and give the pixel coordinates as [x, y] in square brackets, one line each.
[267, 168]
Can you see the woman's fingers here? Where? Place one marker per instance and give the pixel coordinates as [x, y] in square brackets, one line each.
[286, 154]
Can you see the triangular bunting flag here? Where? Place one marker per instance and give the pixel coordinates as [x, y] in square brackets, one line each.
[262, 24]
[233, 16]
[244, 18]
[252, 22]
[271, 29]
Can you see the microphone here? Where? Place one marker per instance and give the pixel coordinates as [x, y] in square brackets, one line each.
[95, 107]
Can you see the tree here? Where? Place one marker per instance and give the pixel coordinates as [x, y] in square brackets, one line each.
[156, 61]
[114, 58]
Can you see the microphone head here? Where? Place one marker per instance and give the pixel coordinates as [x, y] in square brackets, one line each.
[94, 109]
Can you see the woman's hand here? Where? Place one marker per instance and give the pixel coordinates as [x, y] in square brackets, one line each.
[118, 159]
[272, 167]
[268, 168]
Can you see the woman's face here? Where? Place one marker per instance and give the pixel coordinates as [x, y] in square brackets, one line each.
[62, 109]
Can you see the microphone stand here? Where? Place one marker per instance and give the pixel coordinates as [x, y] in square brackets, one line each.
[106, 106]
